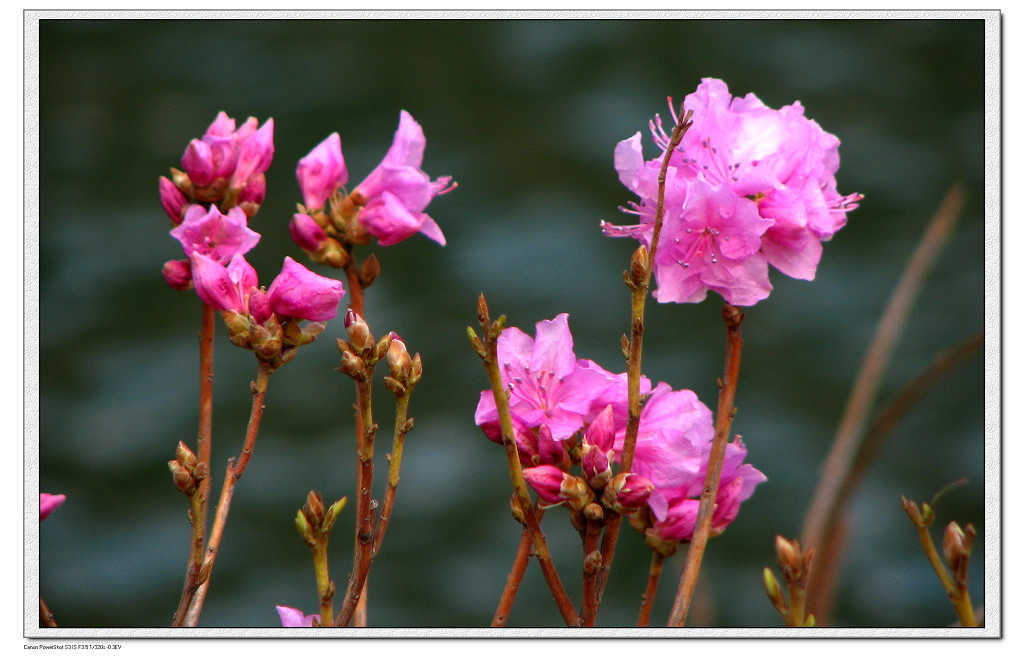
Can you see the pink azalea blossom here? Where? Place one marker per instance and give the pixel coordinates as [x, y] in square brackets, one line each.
[298, 292]
[748, 186]
[321, 172]
[219, 236]
[295, 292]
[236, 156]
[292, 617]
[396, 193]
[48, 503]
[548, 387]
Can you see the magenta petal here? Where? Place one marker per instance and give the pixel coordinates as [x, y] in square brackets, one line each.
[48, 503]
[198, 163]
[430, 229]
[629, 162]
[486, 416]
[322, 171]
[222, 126]
[254, 155]
[388, 219]
[214, 285]
[409, 143]
[298, 292]
[795, 253]
[552, 350]
[292, 617]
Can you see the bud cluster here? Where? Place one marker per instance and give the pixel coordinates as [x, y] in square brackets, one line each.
[186, 470]
[274, 342]
[361, 353]
[796, 568]
[314, 520]
[224, 167]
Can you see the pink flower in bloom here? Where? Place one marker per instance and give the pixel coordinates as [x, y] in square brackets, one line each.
[292, 617]
[298, 292]
[219, 236]
[748, 186]
[295, 292]
[236, 156]
[321, 172]
[395, 193]
[737, 484]
[48, 502]
[548, 386]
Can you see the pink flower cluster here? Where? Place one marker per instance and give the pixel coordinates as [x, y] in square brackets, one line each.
[565, 409]
[391, 200]
[748, 186]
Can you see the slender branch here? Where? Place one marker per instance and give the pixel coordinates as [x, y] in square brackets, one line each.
[653, 575]
[199, 498]
[324, 586]
[365, 505]
[591, 572]
[359, 617]
[821, 516]
[515, 578]
[820, 596]
[960, 598]
[235, 470]
[723, 422]
[638, 280]
[402, 427]
[489, 355]
[45, 615]
[355, 287]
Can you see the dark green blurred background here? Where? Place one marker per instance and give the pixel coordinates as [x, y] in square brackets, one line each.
[525, 116]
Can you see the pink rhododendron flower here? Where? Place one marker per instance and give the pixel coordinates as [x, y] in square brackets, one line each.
[298, 292]
[748, 186]
[219, 236]
[295, 292]
[395, 193]
[292, 617]
[48, 503]
[547, 385]
[321, 172]
[234, 156]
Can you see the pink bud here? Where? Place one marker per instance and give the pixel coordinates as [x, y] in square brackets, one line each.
[259, 305]
[307, 233]
[596, 466]
[198, 163]
[48, 502]
[398, 357]
[547, 481]
[298, 292]
[292, 617]
[679, 522]
[627, 492]
[172, 199]
[214, 285]
[551, 451]
[254, 155]
[322, 171]
[222, 126]
[178, 274]
[601, 432]
[255, 191]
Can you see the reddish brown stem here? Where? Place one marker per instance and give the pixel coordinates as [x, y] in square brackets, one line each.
[355, 287]
[723, 422]
[365, 505]
[46, 617]
[514, 579]
[197, 513]
[647, 602]
[235, 470]
[359, 618]
[591, 572]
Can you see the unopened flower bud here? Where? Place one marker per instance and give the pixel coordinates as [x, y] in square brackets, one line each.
[259, 305]
[627, 492]
[334, 254]
[172, 199]
[183, 479]
[352, 365]
[601, 431]
[265, 342]
[307, 233]
[253, 194]
[593, 511]
[314, 509]
[417, 369]
[198, 162]
[178, 274]
[239, 327]
[398, 358]
[554, 487]
[358, 330]
[332, 514]
[369, 270]
[788, 553]
[956, 548]
[596, 466]
[186, 456]
[640, 266]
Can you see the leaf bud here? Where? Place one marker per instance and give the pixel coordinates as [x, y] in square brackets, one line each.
[183, 479]
[186, 456]
[332, 514]
[314, 509]
[302, 525]
[369, 270]
[640, 266]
